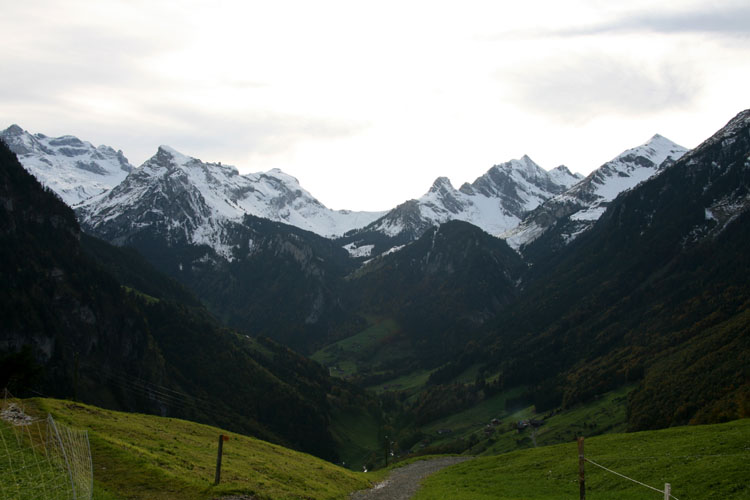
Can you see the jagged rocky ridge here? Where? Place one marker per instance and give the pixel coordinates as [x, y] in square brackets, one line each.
[199, 198]
[494, 202]
[189, 201]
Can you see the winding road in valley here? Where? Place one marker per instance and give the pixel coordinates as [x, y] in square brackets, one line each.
[403, 482]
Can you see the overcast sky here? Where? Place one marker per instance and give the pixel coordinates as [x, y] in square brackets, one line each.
[366, 103]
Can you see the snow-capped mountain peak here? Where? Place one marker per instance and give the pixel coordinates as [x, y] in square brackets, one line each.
[74, 169]
[529, 167]
[441, 184]
[495, 202]
[583, 203]
[562, 175]
[169, 157]
[193, 202]
[631, 167]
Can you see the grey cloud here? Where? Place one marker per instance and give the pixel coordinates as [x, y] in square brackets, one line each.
[39, 79]
[729, 20]
[579, 89]
[64, 59]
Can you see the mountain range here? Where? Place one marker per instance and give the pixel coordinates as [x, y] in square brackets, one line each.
[267, 258]
[240, 242]
[515, 200]
[85, 320]
[558, 287]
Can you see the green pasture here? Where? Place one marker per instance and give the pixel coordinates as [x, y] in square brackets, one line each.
[147, 457]
[700, 463]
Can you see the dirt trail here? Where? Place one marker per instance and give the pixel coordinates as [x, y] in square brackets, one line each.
[403, 482]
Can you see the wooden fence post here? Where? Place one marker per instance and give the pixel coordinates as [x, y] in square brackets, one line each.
[581, 470]
[667, 491]
[222, 438]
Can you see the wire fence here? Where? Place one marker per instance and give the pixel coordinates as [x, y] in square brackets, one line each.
[582, 459]
[630, 478]
[41, 459]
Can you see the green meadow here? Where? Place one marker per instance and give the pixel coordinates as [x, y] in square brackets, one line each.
[605, 414]
[700, 463]
[153, 458]
[147, 457]
[349, 356]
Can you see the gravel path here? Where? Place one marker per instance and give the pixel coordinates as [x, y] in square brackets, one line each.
[403, 482]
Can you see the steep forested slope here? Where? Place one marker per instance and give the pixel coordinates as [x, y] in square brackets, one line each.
[441, 288]
[657, 293]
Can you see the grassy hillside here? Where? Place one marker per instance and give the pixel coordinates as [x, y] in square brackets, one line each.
[491, 426]
[358, 438]
[146, 457]
[360, 352]
[700, 462]
[378, 357]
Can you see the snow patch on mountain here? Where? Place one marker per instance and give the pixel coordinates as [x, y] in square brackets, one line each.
[72, 168]
[359, 251]
[589, 214]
